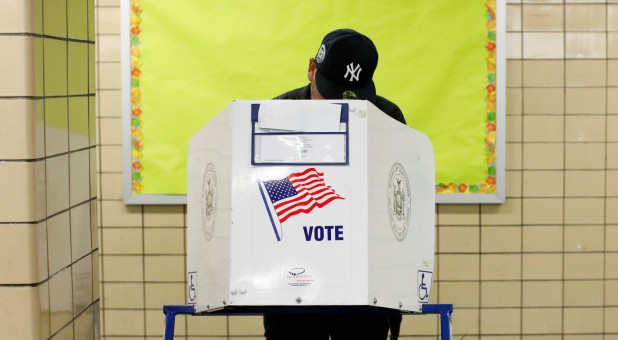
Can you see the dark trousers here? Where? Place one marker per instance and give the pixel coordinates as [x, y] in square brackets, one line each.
[337, 326]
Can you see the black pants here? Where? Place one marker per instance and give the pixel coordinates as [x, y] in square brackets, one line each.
[337, 326]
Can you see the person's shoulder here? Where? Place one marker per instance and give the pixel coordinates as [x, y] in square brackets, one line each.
[299, 93]
[390, 109]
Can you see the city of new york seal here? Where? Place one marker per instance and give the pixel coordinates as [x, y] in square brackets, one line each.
[399, 201]
[209, 201]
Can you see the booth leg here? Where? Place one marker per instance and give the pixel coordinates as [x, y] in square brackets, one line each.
[170, 318]
[445, 311]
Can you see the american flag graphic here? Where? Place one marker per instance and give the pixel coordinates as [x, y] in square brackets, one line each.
[300, 192]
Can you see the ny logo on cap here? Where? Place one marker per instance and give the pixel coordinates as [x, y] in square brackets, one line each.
[354, 72]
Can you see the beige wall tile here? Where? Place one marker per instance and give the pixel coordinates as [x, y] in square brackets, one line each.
[468, 322]
[96, 275]
[25, 320]
[612, 128]
[126, 241]
[59, 242]
[109, 20]
[585, 100]
[500, 267]
[612, 99]
[514, 156]
[500, 321]
[111, 158]
[109, 76]
[109, 103]
[78, 123]
[164, 216]
[77, 11]
[589, 183]
[542, 293]
[539, 128]
[612, 47]
[583, 266]
[55, 67]
[583, 293]
[164, 268]
[57, 169]
[501, 294]
[124, 295]
[543, 183]
[123, 322]
[22, 130]
[612, 156]
[513, 17]
[60, 299]
[412, 325]
[84, 325]
[17, 67]
[513, 184]
[543, 101]
[122, 268]
[167, 241]
[514, 128]
[544, 156]
[458, 215]
[581, 45]
[583, 320]
[513, 45]
[451, 292]
[458, 239]
[543, 211]
[542, 238]
[611, 238]
[111, 131]
[159, 294]
[611, 210]
[81, 239]
[612, 72]
[117, 214]
[584, 238]
[612, 17]
[586, 128]
[583, 210]
[505, 239]
[111, 188]
[108, 48]
[153, 324]
[585, 17]
[514, 73]
[542, 266]
[26, 180]
[55, 18]
[16, 17]
[23, 253]
[543, 45]
[541, 321]
[246, 325]
[508, 213]
[547, 17]
[541, 73]
[514, 101]
[586, 72]
[611, 266]
[584, 156]
[611, 314]
[458, 267]
[79, 167]
[212, 325]
[82, 284]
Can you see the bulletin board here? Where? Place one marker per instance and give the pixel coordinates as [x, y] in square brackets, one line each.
[442, 62]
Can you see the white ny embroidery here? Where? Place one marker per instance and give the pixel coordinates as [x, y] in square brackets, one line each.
[354, 72]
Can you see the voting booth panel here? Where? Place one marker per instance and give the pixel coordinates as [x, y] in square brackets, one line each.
[312, 203]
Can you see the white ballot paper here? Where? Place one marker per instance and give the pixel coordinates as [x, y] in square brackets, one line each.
[314, 116]
[303, 148]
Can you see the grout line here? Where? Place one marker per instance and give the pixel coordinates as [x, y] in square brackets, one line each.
[564, 155]
[44, 36]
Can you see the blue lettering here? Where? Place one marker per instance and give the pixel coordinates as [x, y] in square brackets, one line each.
[328, 229]
[339, 233]
[319, 233]
[308, 234]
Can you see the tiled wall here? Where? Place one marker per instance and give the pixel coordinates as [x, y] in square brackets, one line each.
[48, 241]
[542, 266]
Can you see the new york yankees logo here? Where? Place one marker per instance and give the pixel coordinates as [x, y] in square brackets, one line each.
[354, 72]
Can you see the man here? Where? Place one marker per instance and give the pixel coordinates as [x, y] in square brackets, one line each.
[342, 69]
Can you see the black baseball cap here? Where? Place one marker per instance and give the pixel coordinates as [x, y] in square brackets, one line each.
[345, 63]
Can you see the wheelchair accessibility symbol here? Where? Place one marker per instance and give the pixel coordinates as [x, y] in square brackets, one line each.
[423, 281]
[192, 285]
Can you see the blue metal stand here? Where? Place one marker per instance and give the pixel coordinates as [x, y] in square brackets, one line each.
[170, 311]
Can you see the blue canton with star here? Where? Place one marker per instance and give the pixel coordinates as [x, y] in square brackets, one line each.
[281, 189]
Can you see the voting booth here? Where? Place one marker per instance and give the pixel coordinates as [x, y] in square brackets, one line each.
[309, 203]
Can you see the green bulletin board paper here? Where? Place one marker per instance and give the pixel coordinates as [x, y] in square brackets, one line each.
[197, 56]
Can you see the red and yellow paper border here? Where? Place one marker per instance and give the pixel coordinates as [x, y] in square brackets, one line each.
[137, 143]
[488, 186]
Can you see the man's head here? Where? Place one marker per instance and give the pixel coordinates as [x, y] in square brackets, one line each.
[343, 67]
